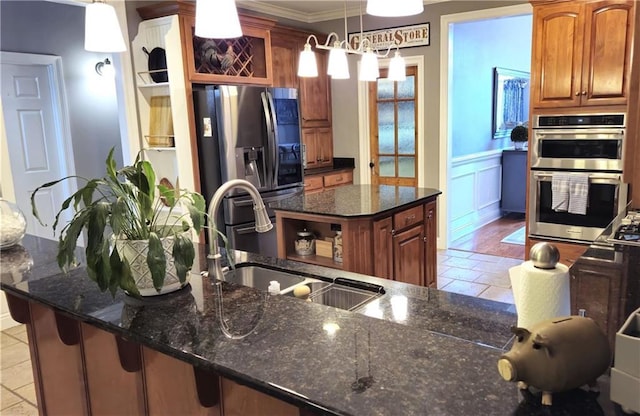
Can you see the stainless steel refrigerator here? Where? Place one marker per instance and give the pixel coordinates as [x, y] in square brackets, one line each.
[252, 133]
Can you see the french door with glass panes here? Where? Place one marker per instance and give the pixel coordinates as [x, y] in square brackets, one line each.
[393, 131]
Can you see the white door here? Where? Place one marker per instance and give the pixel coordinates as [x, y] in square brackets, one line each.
[37, 140]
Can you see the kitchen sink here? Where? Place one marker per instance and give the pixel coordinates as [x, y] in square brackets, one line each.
[259, 277]
[342, 293]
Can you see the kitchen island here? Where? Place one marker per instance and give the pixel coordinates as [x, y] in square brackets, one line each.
[387, 231]
[412, 351]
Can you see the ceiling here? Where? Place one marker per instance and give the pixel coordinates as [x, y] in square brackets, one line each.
[309, 11]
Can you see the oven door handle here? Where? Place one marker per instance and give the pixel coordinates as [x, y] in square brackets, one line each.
[581, 132]
[597, 178]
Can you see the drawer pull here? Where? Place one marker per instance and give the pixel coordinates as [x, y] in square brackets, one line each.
[410, 218]
[339, 179]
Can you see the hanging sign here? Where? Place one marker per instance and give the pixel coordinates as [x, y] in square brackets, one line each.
[402, 37]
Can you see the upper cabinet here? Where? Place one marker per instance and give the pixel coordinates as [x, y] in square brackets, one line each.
[581, 53]
[243, 60]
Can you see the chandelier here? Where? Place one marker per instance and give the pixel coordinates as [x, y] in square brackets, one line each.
[338, 67]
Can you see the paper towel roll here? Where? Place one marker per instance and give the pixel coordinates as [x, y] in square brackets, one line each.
[540, 293]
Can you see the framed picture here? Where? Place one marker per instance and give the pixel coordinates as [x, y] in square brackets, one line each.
[510, 100]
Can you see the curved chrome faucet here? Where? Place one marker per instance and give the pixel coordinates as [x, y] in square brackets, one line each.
[263, 223]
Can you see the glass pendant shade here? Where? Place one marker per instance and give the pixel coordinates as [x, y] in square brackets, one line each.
[217, 19]
[338, 67]
[101, 29]
[369, 67]
[386, 8]
[397, 69]
[307, 66]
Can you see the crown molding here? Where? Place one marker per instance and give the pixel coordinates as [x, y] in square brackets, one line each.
[292, 14]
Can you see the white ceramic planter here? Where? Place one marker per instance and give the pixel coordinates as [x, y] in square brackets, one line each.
[135, 251]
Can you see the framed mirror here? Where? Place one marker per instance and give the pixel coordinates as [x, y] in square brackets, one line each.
[511, 90]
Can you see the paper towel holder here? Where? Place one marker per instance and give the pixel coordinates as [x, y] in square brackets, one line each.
[544, 255]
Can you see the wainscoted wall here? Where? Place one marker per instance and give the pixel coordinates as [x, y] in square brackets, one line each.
[474, 196]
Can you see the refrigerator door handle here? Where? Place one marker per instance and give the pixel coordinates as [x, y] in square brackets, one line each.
[274, 141]
[268, 111]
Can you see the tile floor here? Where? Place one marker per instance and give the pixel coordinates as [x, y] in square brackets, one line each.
[462, 272]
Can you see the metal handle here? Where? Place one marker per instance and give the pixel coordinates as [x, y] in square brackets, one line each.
[268, 116]
[577, 93]
[424, 238]
[409, 218]
[584, 93]
[393, 232]
[587, 132]
[276, 141]
[615, 178]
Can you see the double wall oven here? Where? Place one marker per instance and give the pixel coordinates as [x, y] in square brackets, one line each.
[564, 148]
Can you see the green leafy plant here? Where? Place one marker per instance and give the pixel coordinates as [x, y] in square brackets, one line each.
[519, 134]
[127, 204]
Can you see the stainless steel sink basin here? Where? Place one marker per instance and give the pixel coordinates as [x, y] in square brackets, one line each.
[342, 293]
[259, 277]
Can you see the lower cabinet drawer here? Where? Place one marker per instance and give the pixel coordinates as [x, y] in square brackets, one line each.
[312, 183]
[335, 179]
[408, 217]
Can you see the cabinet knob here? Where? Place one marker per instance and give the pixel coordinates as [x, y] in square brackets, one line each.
[393, 232]
[424, 238]
[584, 93]
[577, 93]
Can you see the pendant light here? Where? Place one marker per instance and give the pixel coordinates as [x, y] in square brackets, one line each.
[101, 29]
[369, 70]
[338, 66]
[397, 68]
[307, 65]
[397, 8]
[217, 19]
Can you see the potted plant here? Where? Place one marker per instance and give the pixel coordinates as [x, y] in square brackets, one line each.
[138, 232]
[519, 136]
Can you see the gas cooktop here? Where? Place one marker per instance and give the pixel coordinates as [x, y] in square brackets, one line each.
[628, 232]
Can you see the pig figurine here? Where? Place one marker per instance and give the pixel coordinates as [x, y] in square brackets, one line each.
[557, 355]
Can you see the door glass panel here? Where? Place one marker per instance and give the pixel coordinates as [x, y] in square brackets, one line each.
[406, 127]
[405, 88]
[385, 88]
[406, 167]
[386, 128]
[387, 166]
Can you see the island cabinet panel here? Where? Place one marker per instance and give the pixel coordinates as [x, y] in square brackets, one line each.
[104, 371]
[242, 401]
[383, 248]
[430, 245]
[581, 53]
[399, 244]
[409, 259]
[171, 386]
[59, 366]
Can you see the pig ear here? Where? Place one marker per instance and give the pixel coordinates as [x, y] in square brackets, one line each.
[540, 341]
[521, 333]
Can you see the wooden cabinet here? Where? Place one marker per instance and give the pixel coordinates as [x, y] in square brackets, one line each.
[596, 289]
[315, 94]
[338, 179]
[404, 245]
[581, 53]
[318, 143]
[398, 245]
[569, 252]
[409, 255]
[243, 60]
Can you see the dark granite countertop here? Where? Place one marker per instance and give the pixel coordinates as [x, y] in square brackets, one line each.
[425, 351]
[355, 200]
